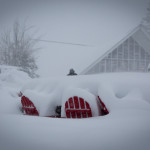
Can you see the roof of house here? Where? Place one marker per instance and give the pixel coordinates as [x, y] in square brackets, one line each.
[139, 33]
[59, 58]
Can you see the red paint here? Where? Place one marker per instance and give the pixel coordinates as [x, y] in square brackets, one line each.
[103, 107]
[28, 106]
[77, 107]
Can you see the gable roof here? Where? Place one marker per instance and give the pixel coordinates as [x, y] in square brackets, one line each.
[141, 36]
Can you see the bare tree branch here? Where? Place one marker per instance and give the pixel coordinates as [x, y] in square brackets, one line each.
[17, 48]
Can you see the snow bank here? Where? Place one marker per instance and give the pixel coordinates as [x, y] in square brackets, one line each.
[124, 131]
[117, 91]
[127, 126]
[9, 101]
[12, 76]
[134, 99]
[45, 104]
[11, 81]
[48, 93]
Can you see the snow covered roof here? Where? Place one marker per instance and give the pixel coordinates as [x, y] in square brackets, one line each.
[59, 58]
[139, 33]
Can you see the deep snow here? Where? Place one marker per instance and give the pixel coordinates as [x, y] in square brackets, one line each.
[127, 126]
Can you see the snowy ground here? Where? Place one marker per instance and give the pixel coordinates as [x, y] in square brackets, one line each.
[127, 126]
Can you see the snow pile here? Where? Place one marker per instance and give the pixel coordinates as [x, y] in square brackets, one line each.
[44, 103]
[11, 75]
[11, 80]
[48, 93]
[134, 99]
[117, 91]
[127, 126]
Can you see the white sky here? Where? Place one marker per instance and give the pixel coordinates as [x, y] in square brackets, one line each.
[100, 23]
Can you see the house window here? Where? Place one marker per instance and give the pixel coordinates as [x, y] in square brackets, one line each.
[114, 54]
[102, 66]
[137, 51]
[142, 66]
[120, 52]
[136, 63]
[125, 47]
[114, 65]
[142, 53]
[131, 48]
[131, 65]
[108, 65]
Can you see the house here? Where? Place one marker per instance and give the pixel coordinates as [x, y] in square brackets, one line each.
[131, 54]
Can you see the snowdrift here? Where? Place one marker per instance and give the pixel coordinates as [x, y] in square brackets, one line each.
[127, 126]
[117, 92]
[11, 80]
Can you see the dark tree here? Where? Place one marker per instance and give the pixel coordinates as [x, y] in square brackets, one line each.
[71, 72]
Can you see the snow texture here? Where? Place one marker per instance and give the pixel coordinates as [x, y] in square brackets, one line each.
[126, 96]
[11, 80]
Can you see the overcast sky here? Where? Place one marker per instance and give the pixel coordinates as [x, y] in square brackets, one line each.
[74, 21]
[91, 22]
